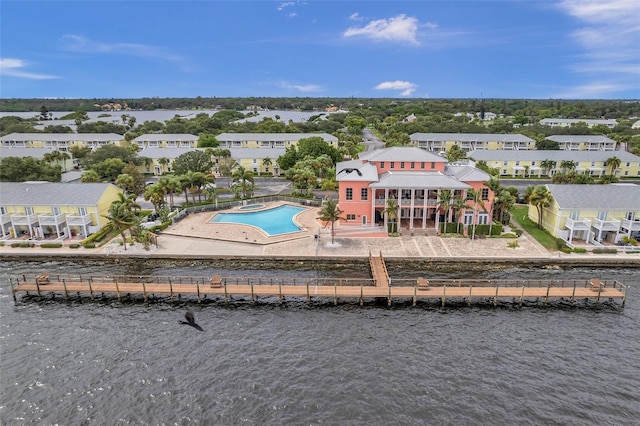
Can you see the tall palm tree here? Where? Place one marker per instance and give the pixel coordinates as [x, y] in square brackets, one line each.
[391, 213]
[244, 178]
[266, 162]
[163, 162]
[541, 198]
[155, 194]
[126, 182]
[613, 163]
[445, 200]
[64, 157]
[567, 165]
[547, 166]
[123, 214]
[330, 212]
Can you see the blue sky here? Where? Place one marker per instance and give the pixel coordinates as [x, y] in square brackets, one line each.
[571, 49]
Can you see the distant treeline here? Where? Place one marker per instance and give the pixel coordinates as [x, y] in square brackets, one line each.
[524, 107]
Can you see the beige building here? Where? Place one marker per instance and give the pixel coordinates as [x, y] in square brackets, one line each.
[269, 140]
[583, 142]
[442, 142]
[162, 140]
[60, 141]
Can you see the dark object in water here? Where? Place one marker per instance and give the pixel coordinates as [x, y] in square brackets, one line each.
[190, 320]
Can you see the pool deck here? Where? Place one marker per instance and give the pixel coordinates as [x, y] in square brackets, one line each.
[195, 237]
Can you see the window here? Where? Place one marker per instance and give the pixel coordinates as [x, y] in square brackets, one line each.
[483, 218]
[468, 217]
[505, 163]
[422, 165]
[349, 193]
[402, 164]
[382, 164]
[413, 165]
[485, 193]
[602, 215]
[28, 211]
[393, 164]
[82, 211]
[351, 217]
[55, 211]
[574, 215]
[433, 165]
[364, 194]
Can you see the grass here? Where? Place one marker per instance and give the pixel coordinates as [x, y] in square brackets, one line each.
[520, 215]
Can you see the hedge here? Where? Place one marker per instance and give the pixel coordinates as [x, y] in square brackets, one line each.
[51, 245]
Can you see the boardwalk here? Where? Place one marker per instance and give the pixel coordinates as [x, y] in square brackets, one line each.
[379, 271]
[334, 289]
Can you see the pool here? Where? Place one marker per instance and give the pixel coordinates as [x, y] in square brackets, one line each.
[275, 221]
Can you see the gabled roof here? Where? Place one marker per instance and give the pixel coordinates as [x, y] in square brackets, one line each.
[470, 137]
[418, 180]
[578, 120]
[158, 137]
[554, 155]
[62, 137]
[356, 170]
[51, 193]
[466, 173]
[398, 153]
[23, 152]
[278, 137]
[613, 197]
[579, 138]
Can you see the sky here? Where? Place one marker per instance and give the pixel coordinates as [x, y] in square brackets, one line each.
[544, 49]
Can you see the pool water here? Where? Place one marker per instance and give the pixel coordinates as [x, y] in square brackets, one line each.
[275, 221]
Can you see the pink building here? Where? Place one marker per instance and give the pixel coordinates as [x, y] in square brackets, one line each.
[418, 180]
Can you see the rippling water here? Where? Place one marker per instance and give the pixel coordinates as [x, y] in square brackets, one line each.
[105, 362]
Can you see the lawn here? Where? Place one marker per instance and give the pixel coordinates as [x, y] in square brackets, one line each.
[519, 214]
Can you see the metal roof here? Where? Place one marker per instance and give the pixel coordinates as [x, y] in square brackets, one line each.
[613, 197]
[398, 153]
[278, 137]
[465, 172]
[579, 120]
[579, 138]
[554, 155]
[272, 153]
[170, 137]
[356, 170]
[51, 193]
[22, 152]
[158, 153]
[62, 137]
[470, 137]
[418, 180]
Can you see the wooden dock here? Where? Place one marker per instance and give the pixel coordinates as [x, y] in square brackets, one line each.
[336, 289]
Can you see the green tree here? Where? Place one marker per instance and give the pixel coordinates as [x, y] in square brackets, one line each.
[541, 198]
[123, 214]
[192, 161]
[330, 213]
[18, 169]
[391, 213]
[613, 163]
[567, 165]
[244, 178]
[547, 166]
[90, 176]
[445, 202]
[455, 153]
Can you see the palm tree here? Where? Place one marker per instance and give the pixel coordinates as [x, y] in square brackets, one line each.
[155, 194]
[189, 183]
[391, 213]
[163, 162]
[123, 214]
[541, 198]
[170, 185]
[330, 213]
[567, 165]
[126, 182]
[64, 157]
[266, 162]
[244, 178]
[613, 163]
[547, 166]
[445, 200]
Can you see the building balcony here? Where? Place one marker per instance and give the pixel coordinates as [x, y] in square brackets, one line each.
[578, 224]
[606, 225]
[5, 218]
[24, 219]
[76, 219]
[51, 219]
[631, 225]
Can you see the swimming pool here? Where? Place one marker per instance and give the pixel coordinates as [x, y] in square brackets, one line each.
[275, 221]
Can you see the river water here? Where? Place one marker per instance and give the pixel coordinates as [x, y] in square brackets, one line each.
[105, 362]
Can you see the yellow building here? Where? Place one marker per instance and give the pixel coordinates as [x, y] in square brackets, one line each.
[269, 140]
[61, 141]
[583, 142]
[441, 142]
[548, 163]
[161, 140]
[591, 214]
[54, 211]
[258, 160]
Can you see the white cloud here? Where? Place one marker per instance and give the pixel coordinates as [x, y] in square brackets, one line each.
[596, 90]
[608, 35]
[355, 17]
[406, 87]
[13, 67]
[401, 28]
[78, 43]
[300, 87]
[284, 5]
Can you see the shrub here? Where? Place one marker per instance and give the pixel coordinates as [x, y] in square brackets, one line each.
[509, 235]
[565, 250]
[74, 245]
[51, 245]
[513, 244]
[560, 244]
[518, 232]
[599, 250]
[579, 250]
[23, 245]
[89, 245]
[1, 243]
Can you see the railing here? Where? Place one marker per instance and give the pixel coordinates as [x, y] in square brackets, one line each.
[607, 225]
[632, 225]
[57, 219]
[74, 219]
[5, 218]
[578, 224]
[24, 219]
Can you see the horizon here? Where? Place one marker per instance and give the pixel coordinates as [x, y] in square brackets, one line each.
[554, 50]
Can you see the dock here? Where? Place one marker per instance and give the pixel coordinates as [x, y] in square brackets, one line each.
[336, 289]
